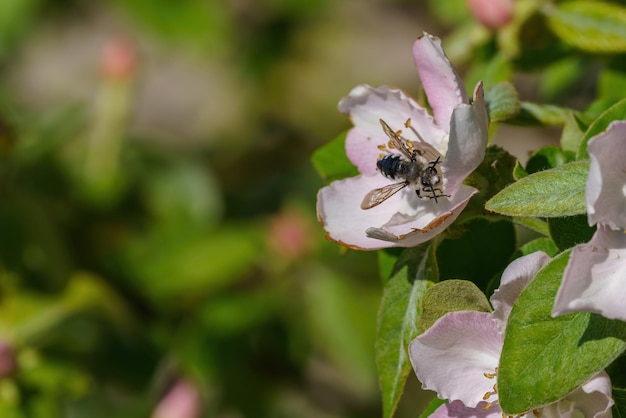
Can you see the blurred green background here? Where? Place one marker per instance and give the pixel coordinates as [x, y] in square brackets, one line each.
[160, 254]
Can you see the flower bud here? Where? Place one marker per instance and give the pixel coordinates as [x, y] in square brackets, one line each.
[493, 14]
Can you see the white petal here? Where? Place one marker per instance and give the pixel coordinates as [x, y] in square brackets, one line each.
[595, 277]
[425, 219]
[366, 105]
[514, 280]
[606, 184]
[593, 399]
[452, 356]
[442, 84]
[339, 211]
[468, 141]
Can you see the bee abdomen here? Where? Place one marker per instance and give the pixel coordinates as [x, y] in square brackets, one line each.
[394, 167]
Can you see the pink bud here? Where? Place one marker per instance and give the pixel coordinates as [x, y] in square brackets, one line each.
[119, 59]
[290, 234]
[492, 13]
[182, 401]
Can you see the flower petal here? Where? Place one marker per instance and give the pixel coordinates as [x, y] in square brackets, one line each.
[468, 141]
[339, 211]
[452, 356]
[442, 84]
[606, 184]
[366, 105]
[595, 276]
[456, 409]
[593, 399]
[514, 279]
[427, 220]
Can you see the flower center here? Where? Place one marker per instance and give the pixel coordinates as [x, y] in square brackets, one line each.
[493, 393]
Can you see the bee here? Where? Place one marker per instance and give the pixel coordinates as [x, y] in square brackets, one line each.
[417, 168]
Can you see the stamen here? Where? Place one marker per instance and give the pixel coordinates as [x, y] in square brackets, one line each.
[490, 375]
[487, 407]
[382, 147]
[407, 124]
[390, 145]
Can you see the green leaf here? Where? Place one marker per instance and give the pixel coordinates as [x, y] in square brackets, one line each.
[547, 157]
[615, 112]
[569, 231]
[540, 114]
[545, 358]
[331, 161]
[502, 102]
[451, 296]
[556, 192]
[573, 132]
[518, 171]
[341, 313]
[562, 76]
[540, 244]
[400, 308]
[432, 407]
[593, 26]
[534, 224]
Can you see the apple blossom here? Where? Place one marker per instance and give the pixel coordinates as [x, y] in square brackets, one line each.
[457, 130]
[594, 278]
[458, 356]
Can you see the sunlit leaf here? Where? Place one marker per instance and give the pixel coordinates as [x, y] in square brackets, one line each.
[451, 296]
[550, 193]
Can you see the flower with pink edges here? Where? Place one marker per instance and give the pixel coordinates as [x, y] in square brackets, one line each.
[457, 130]
[595, 277]
[458, 357]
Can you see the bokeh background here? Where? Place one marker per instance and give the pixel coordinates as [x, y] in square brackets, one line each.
[159, 250]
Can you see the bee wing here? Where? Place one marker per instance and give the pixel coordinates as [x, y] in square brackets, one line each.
[378, 196]
[427, 151]
[398, 141]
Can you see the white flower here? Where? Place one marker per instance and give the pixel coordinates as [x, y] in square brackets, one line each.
[457, 131]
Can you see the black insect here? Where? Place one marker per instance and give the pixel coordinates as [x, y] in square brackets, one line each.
[414, 167]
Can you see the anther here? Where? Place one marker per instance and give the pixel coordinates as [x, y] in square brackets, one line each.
[487, 407]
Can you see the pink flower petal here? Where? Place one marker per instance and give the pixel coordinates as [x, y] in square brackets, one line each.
[452, 356]
[425, 220]
[468, 141]
[456, 409]
[442, 84]
[366, 105]
[606, 184]
[514, 280]
[595, 277]
[339, 211]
